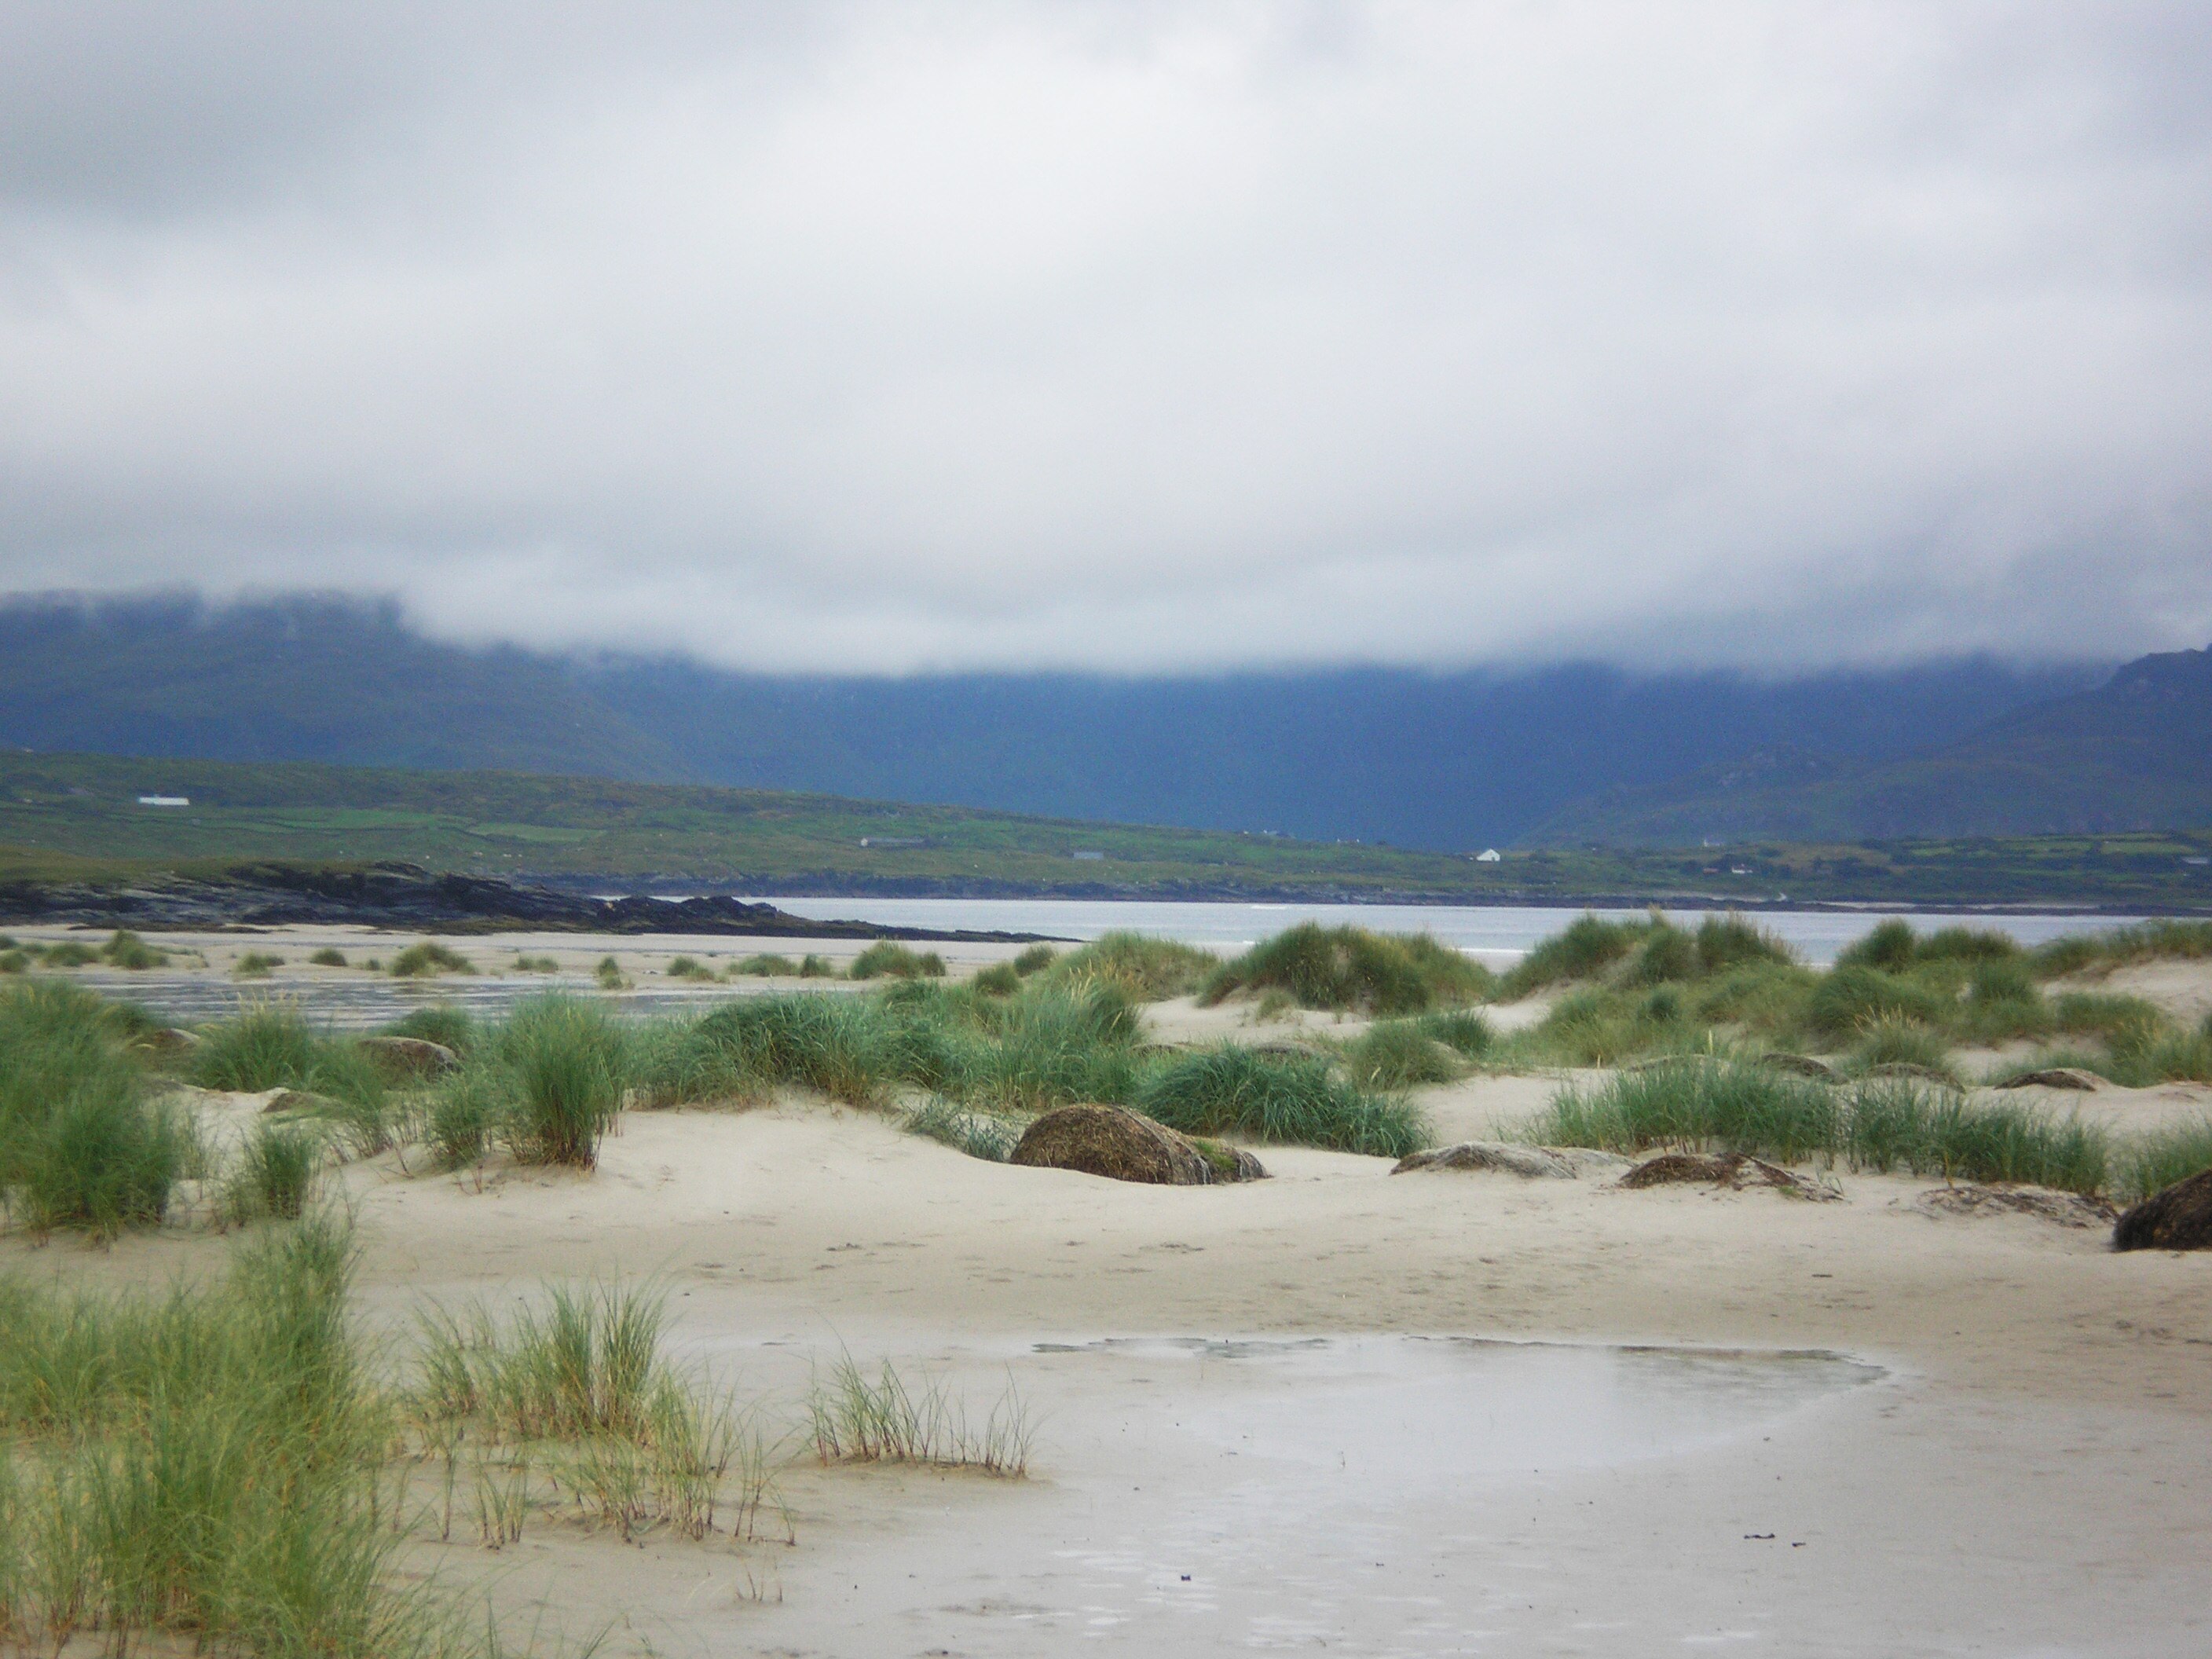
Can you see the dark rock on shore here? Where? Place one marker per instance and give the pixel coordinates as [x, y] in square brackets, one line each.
[2176, 1218]
[407, 897]
[1800, 1066]
[1125, 1146]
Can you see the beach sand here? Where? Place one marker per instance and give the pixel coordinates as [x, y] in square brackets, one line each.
[2023, 1472]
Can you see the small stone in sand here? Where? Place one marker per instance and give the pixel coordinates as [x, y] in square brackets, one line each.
[1735, 1170]
[2054, 1077]
[1507, 1157]
[2067, 1209]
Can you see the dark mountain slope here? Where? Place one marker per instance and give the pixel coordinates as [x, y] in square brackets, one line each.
[2134, 753]
[300, 678]
[1437, 761]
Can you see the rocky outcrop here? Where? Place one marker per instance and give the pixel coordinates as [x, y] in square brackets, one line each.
[1506, 1157]
[407, 896]
[406, 1057]
[2176, 1218]
[1910, 1071]
[1125, 1146]
[1734, 1171]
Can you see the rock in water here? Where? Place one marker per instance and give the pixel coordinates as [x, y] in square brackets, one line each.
[2176, 1218]
[1124, 1146]
[407, 1056]
[1800, 1066]
[1735, 1170]
[2054, 1077]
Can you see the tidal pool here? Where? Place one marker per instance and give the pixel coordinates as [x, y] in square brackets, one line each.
[1373, 1494]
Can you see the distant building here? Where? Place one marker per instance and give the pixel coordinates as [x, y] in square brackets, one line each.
[881, 841]
[165, 800]
[1488, 855]
[1088, 857]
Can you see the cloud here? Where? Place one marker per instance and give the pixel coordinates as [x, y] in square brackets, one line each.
[881, 337]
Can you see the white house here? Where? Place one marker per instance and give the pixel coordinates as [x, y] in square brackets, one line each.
[165, 800]
[1487, 855]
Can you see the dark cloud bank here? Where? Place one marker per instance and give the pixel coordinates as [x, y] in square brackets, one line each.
[1129, 338]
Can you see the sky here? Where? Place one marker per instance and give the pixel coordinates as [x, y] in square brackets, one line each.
[1132, 337]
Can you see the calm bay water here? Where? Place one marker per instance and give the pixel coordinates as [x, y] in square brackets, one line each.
[1500, 933]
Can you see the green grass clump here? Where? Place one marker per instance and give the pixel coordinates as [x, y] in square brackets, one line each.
[2142, 941]
[1850, 998]
[69, 953]
[81, 1143]
[610, 976]
[1585, 948]
[1883, 1125]
[125, 950]
[832, 1043]
[1399, 1054]
[1000, 980]
[529, 965]
[13, 961]
[272, 1047]
[1696, 1103]
[579, 1381]
[690, 968]
[1349, 967]
[557, 1068]
[1892, 1042]
[1937, 1131]
[889, 957]
[442, 1024]
[858, 1418]
[1230, 1090]
[1728, 942]
[814, 966]
[427, 958]
[1047, 1048]
[1143, 969]
[328, 958]
[201, 1468]
[255, 965]
[2153, 1162]
[979, 1134]
[766, 965]
[276, 1173]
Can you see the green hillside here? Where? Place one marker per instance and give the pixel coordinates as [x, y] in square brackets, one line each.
[78, 816]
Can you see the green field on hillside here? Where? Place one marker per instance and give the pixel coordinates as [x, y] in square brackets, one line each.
[58, 810]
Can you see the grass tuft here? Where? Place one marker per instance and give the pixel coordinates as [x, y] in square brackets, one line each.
[888, 957]
[427, 958]
[1349, 967]
[1230, 1090]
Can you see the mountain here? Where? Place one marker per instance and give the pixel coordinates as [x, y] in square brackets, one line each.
[2132, 754]
[1443, 762]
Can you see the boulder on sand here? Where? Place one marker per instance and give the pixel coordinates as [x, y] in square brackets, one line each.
[1735, 1170]
[407, 1056]
[1125, 1146]
[2176, 1218]
[301, 1100]
[1507, 1157]
[1910, 1071]
[2054, 1077]
[166, 1039]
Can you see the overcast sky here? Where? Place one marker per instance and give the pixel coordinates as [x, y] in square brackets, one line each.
[1125, 336]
